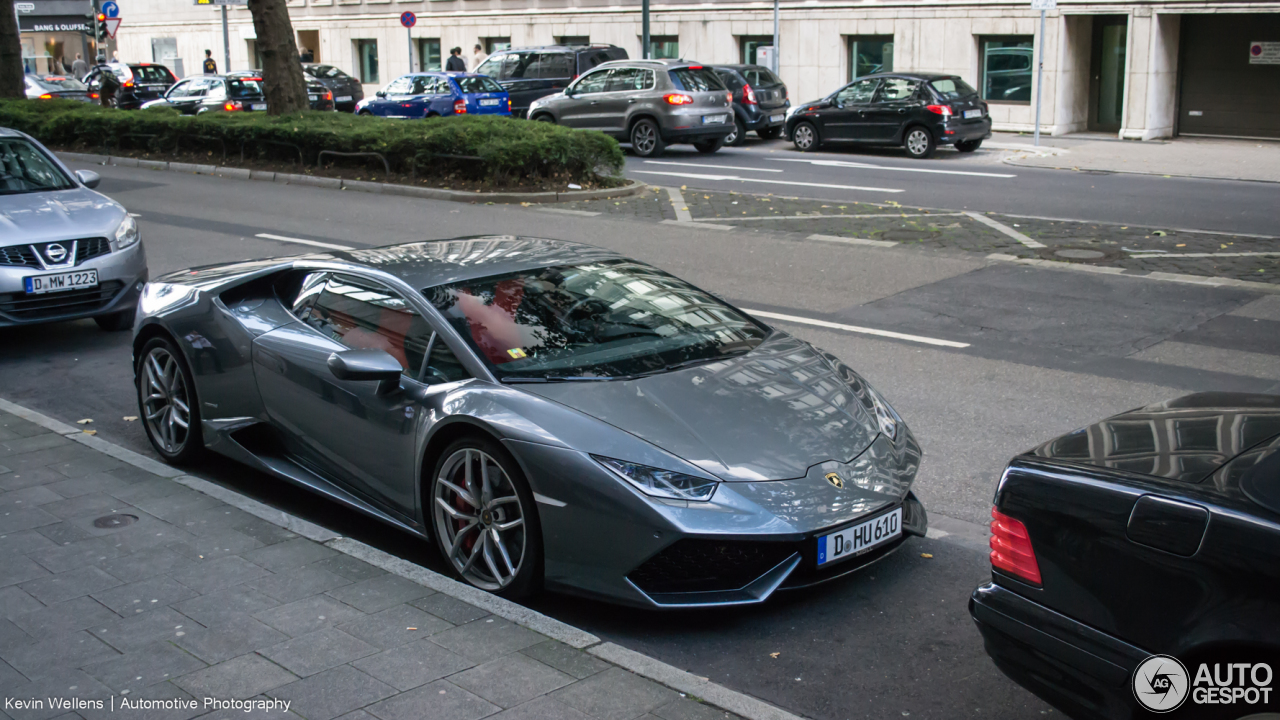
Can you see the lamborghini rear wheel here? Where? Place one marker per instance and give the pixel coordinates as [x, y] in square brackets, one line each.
[484, 519]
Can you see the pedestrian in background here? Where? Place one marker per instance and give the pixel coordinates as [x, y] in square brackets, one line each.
[478, 57]
[455, 63]
[79, 68]
[210, 65]
[306, 55]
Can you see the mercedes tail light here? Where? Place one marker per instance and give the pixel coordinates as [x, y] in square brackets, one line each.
[748, 95]
[942, 110]
[94, 95]
[233, 106]
[1011, 550]
[459, 107]
[328, 95]
[46, 96]
[677, 99]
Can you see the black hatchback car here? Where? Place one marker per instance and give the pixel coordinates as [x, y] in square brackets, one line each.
[139, 83]
[1132, 554]
[918, 111]
[530, 73]
[347, 91]
[759, 101]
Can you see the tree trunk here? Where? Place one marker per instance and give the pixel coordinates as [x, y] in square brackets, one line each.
[11, 75]
[281, 68]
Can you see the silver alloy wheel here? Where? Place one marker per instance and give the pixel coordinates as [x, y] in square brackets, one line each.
[643, 138]
[165, 400]
[732, 137]
[479, 519]
[918, 141]
[803, 136]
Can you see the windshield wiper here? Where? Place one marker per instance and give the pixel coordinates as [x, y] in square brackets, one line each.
[561, 378]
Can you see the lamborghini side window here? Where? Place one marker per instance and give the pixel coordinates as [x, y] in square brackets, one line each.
[364, 315]
[442, 365]
[309, 290]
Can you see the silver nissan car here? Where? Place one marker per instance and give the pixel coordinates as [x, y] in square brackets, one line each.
[66, 252]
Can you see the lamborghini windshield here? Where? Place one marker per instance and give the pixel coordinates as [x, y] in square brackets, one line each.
[597, 321]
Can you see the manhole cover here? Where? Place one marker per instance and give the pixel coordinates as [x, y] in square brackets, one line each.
[1079, 254]
[107, 522]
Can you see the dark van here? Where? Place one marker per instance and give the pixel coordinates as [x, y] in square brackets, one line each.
[530, 73]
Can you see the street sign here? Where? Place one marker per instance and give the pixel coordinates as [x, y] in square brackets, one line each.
[111, 8]
[1044, 5]
[221, 2]
[113, 24]
[408, 19]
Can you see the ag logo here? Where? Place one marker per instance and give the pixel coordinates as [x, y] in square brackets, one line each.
[835, 480]
[1160, 683]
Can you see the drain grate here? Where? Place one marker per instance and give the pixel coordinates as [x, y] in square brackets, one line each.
[107, 522]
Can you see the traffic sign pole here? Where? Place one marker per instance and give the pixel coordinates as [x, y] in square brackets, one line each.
[1043, 6]
[408, 20]
[226, 43]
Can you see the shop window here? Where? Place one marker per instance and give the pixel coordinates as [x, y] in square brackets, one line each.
[1007, 64]
[750, 46]
[665, 47]
[870, 54]
[429, 54]
[367, 53]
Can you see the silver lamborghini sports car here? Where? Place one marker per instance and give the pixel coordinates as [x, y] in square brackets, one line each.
[546, 413]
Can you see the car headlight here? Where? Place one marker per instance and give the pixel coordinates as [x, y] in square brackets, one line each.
[127, 233]
[661, 483]
[886, 416]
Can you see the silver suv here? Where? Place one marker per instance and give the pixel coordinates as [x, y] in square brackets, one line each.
[648, 103]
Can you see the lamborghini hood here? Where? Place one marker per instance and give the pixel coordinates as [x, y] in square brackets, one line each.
[767, 415]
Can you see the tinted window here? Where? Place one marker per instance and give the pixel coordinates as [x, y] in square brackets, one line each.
[696, 79]
[593, 58]
[551, 66]
[729, 79]
[512, 66]
[952, 88]
[442, 364]
[244, 87]
[478, 84]
[58, 83]
[762, 77]
[858, 93]
[895, 89]
[607, 319]
[25, 169]
[363, 315]
[492, 67]
[625, 79]
[323, 71]
[593, 83]
[151, 74]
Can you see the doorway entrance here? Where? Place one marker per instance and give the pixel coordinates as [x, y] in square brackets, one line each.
[1106, 72]
[309, 45]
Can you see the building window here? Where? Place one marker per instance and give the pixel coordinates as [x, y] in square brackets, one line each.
[573, 40]
[494, 44]
[664, 47]
[750, 45]
[255, 54]
[1006, 68]
[429, 54]
[367, 52]
[870, 54]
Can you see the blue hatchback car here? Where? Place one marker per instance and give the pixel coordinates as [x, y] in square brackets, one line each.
[421, 95]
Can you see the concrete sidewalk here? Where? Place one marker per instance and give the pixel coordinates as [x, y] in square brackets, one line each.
[130, 590]
[1183, 157]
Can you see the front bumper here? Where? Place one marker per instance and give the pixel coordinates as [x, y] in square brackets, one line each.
[602, 538]
[1076, 668]
[121, 275]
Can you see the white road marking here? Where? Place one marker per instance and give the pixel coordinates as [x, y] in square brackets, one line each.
[699, 225]
[869, 166]
[134, 215]
[709, 167]
[1006, 230]
[852, 241]
[677, 202]
[692, 176]
[824, 217]
[857, 329]
[564, 211]
[1144, 254]
[299, 241]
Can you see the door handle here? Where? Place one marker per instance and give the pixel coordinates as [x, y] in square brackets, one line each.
[902, 111]
[632, 101]
[595, 102]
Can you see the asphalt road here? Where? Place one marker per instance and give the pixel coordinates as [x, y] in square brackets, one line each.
[1047, 351]
[967, 181]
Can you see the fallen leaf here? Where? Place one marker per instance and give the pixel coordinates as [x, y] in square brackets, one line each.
[1160, 233]
[1124, 227]
[90, 432]
[86, 421]
[927, 556]
[129, 418]
[684, 187]
[411, 628]
[774, 655]
[1180, 245]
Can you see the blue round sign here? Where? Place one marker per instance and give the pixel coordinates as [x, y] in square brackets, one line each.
[408, 19]
[110, 9]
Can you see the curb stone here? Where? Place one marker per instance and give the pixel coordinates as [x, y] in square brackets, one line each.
[1013, 161]
[1166, 276]
[633, 187]
[679, 680]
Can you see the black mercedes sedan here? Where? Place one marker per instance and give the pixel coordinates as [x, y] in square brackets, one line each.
[346, 90]
[1136, 563]
[918, 111]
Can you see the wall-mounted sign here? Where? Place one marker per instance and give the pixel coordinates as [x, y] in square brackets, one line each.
[53, 23]
[1264, 53]
[25, 7]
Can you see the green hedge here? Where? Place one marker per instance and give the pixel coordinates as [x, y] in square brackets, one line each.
[508, 149]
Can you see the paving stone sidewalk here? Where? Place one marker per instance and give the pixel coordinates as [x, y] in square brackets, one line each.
[1135, 249]
[120, 586]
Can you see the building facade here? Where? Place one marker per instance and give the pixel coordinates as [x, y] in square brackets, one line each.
[1140, 70]
[53, 32]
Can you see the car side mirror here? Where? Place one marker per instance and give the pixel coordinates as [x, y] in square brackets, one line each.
[371, 365]
[380, 93]
[88, 178]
